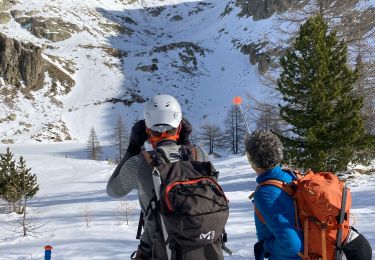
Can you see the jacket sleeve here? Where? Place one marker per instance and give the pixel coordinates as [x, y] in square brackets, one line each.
[125, 177]
[277, 210]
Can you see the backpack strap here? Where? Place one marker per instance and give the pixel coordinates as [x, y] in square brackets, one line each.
[224, 240]
[158, 157]
[155, 158]
[259, 215]
[193, 152]
[141, 223]
[282, 185]
[149, 159]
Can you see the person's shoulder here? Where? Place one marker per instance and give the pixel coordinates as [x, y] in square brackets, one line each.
[267, 193]
[267, 190]
[267, 197]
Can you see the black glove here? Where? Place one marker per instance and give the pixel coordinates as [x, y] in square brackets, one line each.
[259, 251]
[138, 136]
[185, 132]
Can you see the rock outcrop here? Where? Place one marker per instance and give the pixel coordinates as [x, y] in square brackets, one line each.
[187, 52]
[6, 4]
[16, 13]
[21, 64]
[53, 29]
[264, 58]
[4, 17]
[263, 9]
[62, 83]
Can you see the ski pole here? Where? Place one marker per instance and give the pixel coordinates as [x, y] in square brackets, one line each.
[338, 252]
[47, 252]
[238, 101]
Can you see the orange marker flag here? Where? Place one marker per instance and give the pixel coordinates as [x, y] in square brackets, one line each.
[237, 100]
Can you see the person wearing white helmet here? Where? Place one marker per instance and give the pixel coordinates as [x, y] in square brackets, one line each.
[165, 128]
[163, 118]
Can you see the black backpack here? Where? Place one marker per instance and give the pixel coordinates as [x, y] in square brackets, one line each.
[192, 203]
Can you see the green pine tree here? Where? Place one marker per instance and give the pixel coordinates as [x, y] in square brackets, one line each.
[18, 183]
[28, 181]
[7, 169]
[317, 88]
[27, 186]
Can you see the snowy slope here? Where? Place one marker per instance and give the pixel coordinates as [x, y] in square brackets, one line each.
[126, 51]
[192, 43]
[72, 186]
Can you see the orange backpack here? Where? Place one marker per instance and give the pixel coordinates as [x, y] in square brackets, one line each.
[318, 201]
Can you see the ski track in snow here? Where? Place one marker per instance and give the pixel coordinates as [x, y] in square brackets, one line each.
[71, 186]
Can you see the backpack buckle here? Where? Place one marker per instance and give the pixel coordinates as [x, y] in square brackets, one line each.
[323, 226]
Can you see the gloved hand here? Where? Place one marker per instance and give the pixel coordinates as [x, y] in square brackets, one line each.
[259, 251]
[138, 136]
[185, 132]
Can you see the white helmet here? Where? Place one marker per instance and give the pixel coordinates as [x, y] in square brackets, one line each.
[162, 112]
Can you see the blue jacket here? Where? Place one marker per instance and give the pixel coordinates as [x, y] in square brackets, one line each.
[282, 240]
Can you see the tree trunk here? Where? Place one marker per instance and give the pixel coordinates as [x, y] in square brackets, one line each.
[24, 216]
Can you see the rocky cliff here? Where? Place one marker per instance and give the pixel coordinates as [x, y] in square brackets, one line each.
[263, 9]
[21, 64]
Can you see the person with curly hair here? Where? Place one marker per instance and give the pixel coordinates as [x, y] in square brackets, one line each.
[278, 239]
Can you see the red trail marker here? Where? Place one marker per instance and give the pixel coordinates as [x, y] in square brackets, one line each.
[237, 101]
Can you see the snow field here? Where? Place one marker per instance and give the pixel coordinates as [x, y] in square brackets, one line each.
[73, 187]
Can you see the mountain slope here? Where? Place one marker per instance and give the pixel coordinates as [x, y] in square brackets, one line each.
[108, 57]
[122, 53]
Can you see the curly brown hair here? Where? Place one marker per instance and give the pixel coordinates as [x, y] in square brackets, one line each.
[264, 148]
